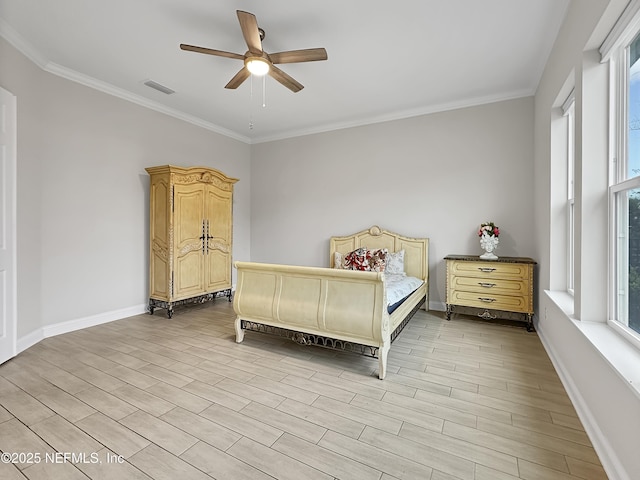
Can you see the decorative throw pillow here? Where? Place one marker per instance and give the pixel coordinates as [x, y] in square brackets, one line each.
[338, 260]
[365, 260]
[378, 260]
[395, 263]
[357, 260]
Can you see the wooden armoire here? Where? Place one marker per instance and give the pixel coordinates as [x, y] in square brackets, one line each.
[190, 235]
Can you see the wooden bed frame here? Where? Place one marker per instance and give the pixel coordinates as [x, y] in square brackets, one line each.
[330, 307]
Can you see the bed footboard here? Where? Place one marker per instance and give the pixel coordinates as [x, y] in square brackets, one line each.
[344, 305]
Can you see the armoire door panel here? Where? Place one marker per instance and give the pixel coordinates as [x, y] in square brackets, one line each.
[188, 216]
[188, 277]
[219, 270]
[219, 214]
[218, 217]
[188, 231]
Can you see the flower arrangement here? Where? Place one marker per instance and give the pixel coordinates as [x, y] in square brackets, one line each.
[489, 228]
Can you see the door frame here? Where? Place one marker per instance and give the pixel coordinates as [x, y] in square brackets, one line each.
[9, 139]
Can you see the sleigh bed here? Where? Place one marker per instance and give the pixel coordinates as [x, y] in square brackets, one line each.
[335, 307]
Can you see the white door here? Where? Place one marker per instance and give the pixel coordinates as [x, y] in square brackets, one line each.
[8, 307]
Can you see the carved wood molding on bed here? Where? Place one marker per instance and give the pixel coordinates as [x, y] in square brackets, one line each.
[333, 307]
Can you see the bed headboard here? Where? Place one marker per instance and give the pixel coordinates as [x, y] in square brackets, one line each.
[416, 256]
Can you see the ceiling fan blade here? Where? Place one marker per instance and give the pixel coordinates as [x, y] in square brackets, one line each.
[249, 26]
[238, 78]
[211, 51]
[285, 79]
[295, 56]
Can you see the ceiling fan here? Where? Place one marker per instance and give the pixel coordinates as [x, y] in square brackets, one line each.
[259, 62]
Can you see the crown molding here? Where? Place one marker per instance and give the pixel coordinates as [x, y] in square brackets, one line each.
[10, 35]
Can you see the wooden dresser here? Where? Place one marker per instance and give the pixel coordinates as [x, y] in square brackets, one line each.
[190, 227]
[501, 288]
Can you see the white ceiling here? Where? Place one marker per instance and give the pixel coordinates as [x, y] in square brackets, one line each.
[387, 59]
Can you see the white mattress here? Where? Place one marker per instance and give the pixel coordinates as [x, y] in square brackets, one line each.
[399, 286]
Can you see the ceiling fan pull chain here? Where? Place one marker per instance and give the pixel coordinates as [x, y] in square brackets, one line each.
[251, 103]
[264, 91]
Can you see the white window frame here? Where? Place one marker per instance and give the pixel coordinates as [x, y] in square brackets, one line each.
[615, 50]
[568, 111]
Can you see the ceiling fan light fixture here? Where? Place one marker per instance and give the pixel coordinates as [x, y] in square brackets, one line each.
[257, 66]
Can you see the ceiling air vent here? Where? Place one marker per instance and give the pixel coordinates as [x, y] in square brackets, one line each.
[160, 88]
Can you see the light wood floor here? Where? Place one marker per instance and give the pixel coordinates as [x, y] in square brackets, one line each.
[149, 397]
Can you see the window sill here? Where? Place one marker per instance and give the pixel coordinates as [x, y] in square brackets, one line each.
[622, 356]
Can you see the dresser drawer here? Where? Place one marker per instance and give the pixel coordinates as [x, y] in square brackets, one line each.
[488, 270]
[490, 286]
[511, 303]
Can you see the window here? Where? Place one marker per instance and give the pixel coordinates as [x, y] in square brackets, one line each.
[624, 189]
[568, 111]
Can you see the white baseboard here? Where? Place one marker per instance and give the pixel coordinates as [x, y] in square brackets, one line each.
[29, 340]
[72, 325]
[608, 457]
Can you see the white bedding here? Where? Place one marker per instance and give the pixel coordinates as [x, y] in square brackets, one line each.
[399, 286]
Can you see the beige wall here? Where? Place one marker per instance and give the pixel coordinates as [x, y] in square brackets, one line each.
[83, 192]
[436, 176]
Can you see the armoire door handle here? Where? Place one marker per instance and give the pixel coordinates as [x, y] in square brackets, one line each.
[203, 237]
[209, 237]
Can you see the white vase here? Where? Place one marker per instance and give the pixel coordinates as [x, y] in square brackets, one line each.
[488, 244]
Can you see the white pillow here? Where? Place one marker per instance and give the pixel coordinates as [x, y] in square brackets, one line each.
[395, 263]
[338, 260]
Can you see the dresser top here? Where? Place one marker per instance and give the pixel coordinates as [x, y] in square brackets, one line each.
[476, 258]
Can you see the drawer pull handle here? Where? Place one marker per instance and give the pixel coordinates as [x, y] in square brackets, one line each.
[487, 299]
[486, 269]
[486, 284]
